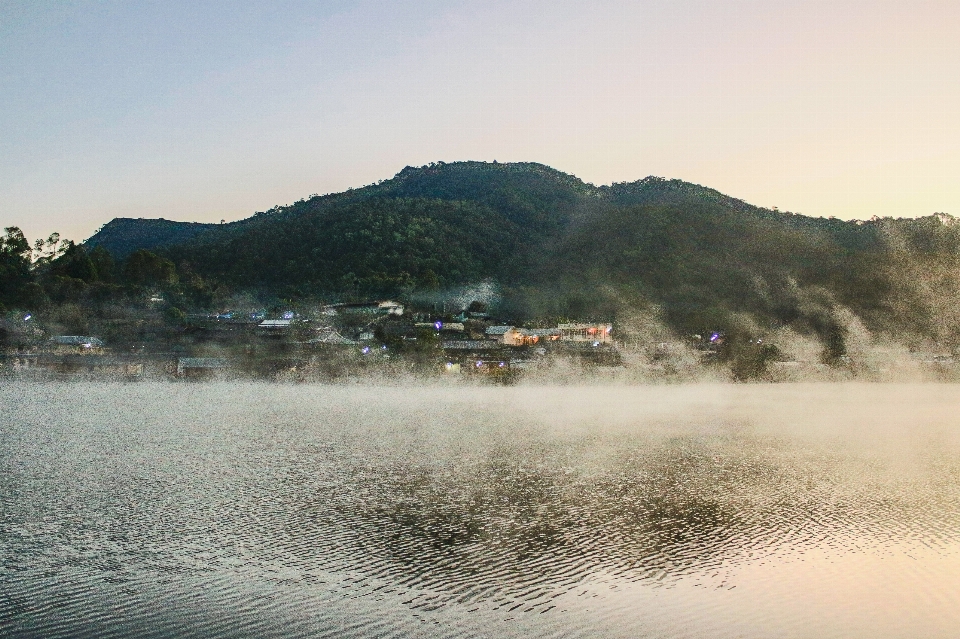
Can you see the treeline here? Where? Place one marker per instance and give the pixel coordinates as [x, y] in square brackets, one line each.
[59, 272]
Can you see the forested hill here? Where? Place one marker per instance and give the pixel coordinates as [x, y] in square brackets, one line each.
[561, 247]
[123, 235]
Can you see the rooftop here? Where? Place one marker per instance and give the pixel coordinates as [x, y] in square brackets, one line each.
[76, 340]
[280, 323]
[465, 345]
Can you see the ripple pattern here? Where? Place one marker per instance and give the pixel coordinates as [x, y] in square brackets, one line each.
[260, 510]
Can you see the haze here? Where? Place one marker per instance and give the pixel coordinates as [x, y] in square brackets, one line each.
[279, 510]
[213, 111]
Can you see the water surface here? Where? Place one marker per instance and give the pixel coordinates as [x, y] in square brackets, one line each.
[257, 510]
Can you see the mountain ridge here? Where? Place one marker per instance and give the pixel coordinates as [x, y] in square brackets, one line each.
[124, 235]
[559, 246]
[121, 236]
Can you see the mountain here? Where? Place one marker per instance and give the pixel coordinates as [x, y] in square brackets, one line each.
[525, 193]
[561, 247]
[123, 235]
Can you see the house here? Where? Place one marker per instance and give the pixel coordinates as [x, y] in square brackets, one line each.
[463, 354]
[441, 327]
[506, 335]
[390, 308]
[80, 344]
[541, 335]
[452, 327]
[468, 345]
[386, 307]
[275, 325]
[497, 332]
[513, 336]
[110, 366]
[597, 333]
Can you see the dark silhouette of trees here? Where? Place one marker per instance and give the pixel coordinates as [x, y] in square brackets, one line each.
[143, 268]
[15, 254]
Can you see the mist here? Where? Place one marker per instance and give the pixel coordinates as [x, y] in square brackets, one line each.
[437, 510]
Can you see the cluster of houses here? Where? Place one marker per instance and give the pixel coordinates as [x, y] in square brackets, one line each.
[340, 340]
[209, 344]
[71, 354]
[502, 347]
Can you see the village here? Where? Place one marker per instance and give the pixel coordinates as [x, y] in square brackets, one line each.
[390, 339]
[326, 342]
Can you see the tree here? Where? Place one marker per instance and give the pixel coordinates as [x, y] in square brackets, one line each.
[103, 263]
[144, 268]
[15, 254]
[74, 262]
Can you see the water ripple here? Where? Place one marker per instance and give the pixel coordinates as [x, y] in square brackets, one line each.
[256, 510]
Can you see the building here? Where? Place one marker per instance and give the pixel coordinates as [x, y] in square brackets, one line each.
[597, 333]
[386, 307]
[542, 335]
[468, 346]
[507, 335]
[104, 366]
[275, 324]
[496, 332]
[452, 327]
[75, 344]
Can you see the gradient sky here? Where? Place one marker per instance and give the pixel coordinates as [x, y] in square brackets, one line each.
[204, 111]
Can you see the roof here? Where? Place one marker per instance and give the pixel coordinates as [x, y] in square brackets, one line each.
[391, 307]
[281, 323]
[441, 326]
[498, 330]
[76, 340]
[542, 332]
[465, 345]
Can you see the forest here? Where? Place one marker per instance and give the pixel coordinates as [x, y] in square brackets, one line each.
[552, 245]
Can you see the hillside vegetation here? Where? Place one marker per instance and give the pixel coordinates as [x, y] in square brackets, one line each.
[123, 235]
[555, 247]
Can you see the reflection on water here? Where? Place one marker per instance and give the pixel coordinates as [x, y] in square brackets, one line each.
[259, 510]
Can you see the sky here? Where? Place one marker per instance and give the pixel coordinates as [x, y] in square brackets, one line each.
[202, 111]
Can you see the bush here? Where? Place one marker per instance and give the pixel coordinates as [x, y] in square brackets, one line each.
[174, 315]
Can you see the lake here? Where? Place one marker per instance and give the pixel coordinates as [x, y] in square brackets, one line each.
[258, 510]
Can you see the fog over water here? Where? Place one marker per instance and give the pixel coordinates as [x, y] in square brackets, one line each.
[254, 509]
